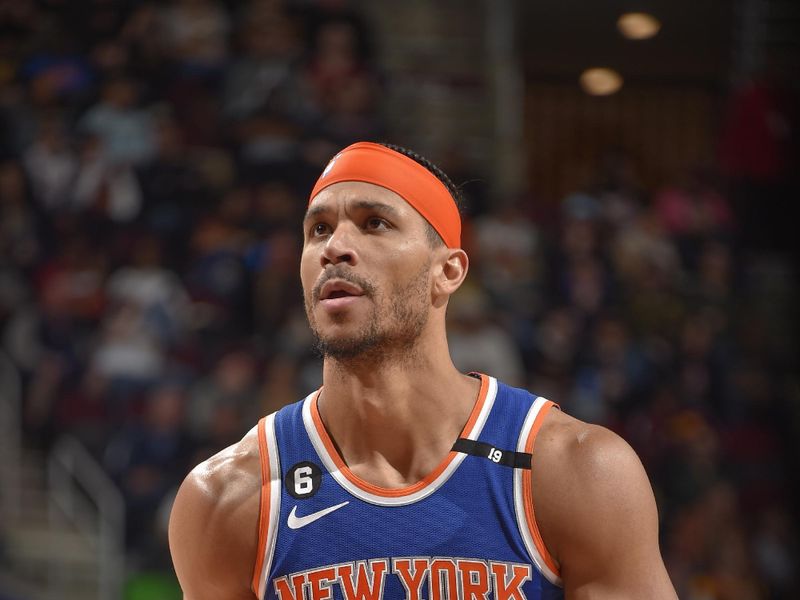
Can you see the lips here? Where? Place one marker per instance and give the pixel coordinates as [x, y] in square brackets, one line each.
[339, 288]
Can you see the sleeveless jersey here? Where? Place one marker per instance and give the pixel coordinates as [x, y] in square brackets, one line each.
[467, 531]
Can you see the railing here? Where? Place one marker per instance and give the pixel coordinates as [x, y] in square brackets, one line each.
[506, 78]
[10, 437]
[81, 491]
[749, 35]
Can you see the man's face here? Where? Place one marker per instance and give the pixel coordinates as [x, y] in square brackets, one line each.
[365, 270]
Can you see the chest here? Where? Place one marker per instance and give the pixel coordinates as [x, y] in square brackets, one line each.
[454, 535]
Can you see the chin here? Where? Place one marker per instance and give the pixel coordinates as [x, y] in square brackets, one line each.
[339, 324]
[342, 348]
[345, 339]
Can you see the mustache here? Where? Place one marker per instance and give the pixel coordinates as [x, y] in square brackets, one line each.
[339, 272]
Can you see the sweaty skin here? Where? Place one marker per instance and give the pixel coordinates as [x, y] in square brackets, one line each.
[592, 499]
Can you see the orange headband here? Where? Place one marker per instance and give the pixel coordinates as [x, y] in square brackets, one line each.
[379, 165]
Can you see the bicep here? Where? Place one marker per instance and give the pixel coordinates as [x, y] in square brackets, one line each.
[604, 523]
[208, 560]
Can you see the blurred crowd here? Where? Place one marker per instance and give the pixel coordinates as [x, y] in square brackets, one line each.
[155, 161]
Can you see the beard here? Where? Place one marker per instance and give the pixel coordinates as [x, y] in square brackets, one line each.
[391, 329]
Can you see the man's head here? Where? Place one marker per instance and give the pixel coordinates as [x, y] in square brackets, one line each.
[381, 253]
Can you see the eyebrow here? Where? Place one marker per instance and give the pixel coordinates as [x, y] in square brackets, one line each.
[364, 205]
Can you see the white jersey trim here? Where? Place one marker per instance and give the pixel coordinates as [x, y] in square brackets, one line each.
[404, 500]
[274, 503]
[519, 505]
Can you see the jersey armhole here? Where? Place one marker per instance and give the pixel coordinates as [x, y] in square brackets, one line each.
[263, 508]
[527, 520]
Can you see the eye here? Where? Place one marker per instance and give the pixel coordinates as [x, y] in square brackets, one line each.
[376, 224]
[319, 229]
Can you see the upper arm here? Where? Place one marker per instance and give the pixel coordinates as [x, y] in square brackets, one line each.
[212, 533]
[598, 516]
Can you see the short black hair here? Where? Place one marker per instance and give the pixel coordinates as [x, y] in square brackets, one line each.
[455, 192]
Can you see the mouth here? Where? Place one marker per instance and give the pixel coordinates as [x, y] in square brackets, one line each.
[337, 290]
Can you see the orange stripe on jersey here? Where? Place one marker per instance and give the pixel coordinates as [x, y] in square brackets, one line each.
[395, 492]
[527, 491]
[263, 510]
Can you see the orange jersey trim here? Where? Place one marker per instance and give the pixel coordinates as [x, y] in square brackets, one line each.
[263, 510]
[527, 493]
[394, 492]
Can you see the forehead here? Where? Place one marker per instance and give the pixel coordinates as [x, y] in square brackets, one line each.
[350, 195]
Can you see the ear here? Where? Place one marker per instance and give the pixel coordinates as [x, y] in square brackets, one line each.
[454, 266]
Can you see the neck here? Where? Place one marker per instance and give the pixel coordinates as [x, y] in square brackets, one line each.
[394, 421]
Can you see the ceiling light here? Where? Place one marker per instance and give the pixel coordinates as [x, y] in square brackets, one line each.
[600, 81]
[638, 25]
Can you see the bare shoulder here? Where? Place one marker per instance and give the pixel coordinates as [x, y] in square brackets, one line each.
[578, 469]
[213, 529]
[230, 477]
[596, 511]
[582, 450]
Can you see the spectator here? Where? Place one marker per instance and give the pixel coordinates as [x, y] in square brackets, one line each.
[107, 192]
[556, 343]
[692, 213]
[70, 304]
[52, 166]
[476, 344]
[147, 459]
[20, 245]
[154, 292]
[507, 252]
[337, 56]
[611, 376]
[174, 190]
[776, 552]
[269, 47]
[196, 35]
[224, 404]
[216, 277]
[125, 131]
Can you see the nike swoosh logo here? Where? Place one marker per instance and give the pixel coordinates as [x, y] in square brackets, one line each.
[295, 522]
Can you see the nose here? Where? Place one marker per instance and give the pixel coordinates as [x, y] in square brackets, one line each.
[340, 247]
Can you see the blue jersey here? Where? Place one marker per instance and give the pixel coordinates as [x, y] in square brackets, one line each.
[467, 531]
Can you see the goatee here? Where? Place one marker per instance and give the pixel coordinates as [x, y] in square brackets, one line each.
[390, 333]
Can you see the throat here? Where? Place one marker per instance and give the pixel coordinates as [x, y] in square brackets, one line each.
[395, 440]
[406, 472]
[393, 458]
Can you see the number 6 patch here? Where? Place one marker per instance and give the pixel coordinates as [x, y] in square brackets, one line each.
[303, 480]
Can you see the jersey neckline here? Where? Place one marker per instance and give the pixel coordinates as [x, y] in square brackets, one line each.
[375, 494]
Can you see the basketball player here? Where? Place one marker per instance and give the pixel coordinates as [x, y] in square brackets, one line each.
[401, 477]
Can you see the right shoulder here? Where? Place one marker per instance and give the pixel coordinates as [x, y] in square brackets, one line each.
[213, 526]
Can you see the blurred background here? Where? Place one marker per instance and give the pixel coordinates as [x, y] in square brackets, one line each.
[629, 167]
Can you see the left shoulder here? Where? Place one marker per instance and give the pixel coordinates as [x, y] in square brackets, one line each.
[582, 472]
[585, 451]
[595, 509]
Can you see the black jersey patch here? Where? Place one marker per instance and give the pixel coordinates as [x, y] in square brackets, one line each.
[507, 458]
[303, 480]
